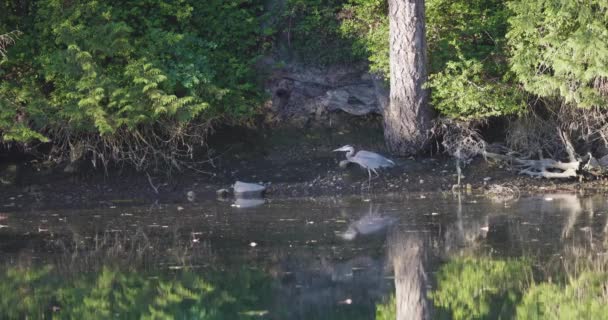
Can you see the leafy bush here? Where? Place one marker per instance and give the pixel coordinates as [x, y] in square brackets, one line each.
[112, 75]
[560, 49]
[366, 22]
[462, 92]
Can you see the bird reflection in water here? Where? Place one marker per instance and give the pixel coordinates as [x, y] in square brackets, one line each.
[370, 223]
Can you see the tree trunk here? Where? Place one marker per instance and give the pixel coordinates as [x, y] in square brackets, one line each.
[407, 256]
[407, 119]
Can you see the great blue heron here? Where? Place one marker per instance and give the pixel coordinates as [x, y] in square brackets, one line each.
[367, 160]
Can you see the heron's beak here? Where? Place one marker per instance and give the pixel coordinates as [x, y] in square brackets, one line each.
[337, 150]
[340, 149]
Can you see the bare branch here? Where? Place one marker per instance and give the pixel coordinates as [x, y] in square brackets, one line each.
[8, 39]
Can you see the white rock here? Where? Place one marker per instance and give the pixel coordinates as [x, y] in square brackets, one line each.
[245, 187]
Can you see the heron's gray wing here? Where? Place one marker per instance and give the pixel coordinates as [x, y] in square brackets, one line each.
[373, 159]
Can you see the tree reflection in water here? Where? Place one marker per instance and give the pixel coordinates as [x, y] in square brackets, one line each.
[406, 254]
[558, 268]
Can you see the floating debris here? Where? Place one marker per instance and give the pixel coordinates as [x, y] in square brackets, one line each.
[191, 196]
[253, 244]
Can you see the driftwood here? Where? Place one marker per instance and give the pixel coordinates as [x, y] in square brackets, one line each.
[544, 168]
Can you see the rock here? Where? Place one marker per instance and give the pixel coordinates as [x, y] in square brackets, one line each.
[357, 99]
[304, 95]
[249, 189]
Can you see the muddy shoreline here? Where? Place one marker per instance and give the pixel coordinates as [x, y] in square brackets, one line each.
[286, 179]
[295, 163]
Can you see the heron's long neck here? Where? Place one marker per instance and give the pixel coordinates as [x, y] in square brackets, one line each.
[350, 154]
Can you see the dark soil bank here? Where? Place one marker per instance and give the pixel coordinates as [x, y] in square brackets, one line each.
[295, 163]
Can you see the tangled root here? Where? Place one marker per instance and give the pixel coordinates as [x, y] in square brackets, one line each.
[460, 139]
[169, 145]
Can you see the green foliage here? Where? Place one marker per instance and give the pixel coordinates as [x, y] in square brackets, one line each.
[461, 92]
[311, 29]
[583, 298]
[471, 288]
[560, 49]
[468, 60]
[106, 68]
[366, 22]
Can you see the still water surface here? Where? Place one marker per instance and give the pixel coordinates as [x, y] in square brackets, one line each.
[467, 256]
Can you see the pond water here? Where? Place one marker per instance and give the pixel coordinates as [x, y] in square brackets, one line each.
[454, 256]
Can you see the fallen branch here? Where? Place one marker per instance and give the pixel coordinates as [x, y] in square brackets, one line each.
[539, 168]
[570, 173]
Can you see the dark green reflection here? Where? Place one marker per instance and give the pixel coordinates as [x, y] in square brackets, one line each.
[585, 297]
[38, 293]
[387, 310]
[480, 288]
[486, 288]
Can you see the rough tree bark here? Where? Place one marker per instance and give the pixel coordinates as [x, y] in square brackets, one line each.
[407, 255]
[407, 119]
